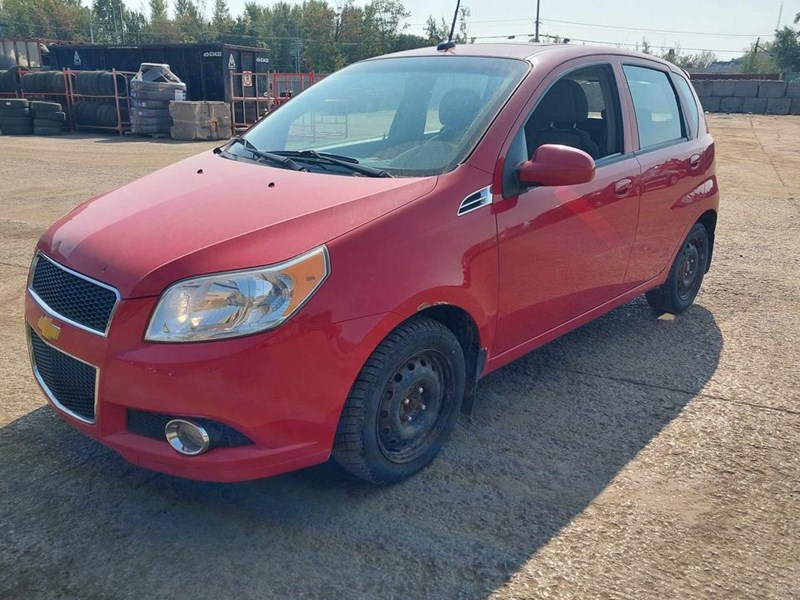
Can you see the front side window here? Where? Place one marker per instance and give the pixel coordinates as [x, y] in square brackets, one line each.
[406, 116]
[657, 114]
[580, 110]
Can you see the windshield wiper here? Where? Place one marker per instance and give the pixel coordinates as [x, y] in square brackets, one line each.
[348, 162]
[282, 161]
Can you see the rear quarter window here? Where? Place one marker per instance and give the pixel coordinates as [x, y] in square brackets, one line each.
[685, 91]
[658, 115]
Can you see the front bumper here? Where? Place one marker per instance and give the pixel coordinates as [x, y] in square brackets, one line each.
[283, 389]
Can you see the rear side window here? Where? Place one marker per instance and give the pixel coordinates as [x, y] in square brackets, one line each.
[688, 99]
[657, 114]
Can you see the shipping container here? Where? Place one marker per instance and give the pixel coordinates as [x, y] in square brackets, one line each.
[204, 67]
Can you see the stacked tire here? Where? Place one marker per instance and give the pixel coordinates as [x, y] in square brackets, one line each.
[91, 113]
[151, 100]
[99, 83]
[44, 82]
[48, 118]
[15, 117]
[10, 80]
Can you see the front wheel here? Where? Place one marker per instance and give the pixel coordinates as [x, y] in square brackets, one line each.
[404, 403]
[683, 283]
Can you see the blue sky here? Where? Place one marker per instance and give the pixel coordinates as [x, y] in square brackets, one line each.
[725, 26]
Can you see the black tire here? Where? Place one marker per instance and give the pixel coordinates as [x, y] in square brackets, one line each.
[57, 83]
[44, 107]
[50, 117]
[150, 113]
[686, 275]
[17, 129]
[45, 123]
[389, 429]
[151, 104]
[47, 130]
[13, 104]
[157, 95]
[14, 113]
[15, 121]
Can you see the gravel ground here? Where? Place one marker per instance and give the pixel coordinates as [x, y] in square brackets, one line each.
[633, 458]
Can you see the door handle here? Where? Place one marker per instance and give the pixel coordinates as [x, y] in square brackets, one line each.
[694, 161]
[623, 187]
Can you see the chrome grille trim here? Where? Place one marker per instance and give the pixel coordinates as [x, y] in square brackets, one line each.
[54, 313]
[48, 392]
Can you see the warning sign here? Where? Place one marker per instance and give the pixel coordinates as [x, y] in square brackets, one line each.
[232, 63]
[76, 59]
[247, 79]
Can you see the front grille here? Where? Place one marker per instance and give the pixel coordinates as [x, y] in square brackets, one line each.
[69, 382]
[151, 425]
[71, 296]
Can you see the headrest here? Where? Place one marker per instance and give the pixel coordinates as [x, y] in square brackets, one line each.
[458, 108]
[564, 104]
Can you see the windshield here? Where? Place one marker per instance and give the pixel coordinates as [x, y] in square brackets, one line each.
[404, 116]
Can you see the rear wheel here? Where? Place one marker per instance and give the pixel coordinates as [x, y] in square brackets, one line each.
[404, 403]
[686, 275]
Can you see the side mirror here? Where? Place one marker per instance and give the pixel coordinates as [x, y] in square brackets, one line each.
[554, 164]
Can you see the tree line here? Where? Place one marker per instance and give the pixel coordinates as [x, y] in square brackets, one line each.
[313, 35]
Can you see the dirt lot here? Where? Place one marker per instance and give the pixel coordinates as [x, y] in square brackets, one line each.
[634, 458]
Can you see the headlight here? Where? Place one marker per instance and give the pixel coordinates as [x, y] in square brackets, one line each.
[237, 303]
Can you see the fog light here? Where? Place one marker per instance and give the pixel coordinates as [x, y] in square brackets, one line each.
[186, 437]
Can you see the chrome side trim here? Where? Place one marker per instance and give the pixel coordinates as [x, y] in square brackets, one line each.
[45, 307]
[476, 200]
[46, 390]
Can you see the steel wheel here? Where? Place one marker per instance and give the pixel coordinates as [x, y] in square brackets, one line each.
[404, 403]
[692, 261]
[412, 405]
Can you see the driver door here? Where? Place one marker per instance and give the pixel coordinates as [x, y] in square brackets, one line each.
[564, 250]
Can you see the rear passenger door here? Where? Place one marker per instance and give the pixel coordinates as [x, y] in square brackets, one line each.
[564, 250]
[674, 158]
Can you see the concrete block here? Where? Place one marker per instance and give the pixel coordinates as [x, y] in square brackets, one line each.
[731, 105]
[746, 88]
[756, 106]
[778, 106]
[710, 103]
[793, 89]
[794, 109]
[723, 87]
[771, 89]
[702, 87]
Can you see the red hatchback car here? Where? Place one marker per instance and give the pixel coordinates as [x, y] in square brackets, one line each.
[336, 280]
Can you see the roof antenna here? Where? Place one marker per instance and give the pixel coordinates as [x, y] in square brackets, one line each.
[450, 43]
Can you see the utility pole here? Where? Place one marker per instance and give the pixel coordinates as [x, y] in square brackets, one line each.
[91, 31]
[536, 35]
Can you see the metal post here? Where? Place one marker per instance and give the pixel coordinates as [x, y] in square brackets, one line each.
[536, 35]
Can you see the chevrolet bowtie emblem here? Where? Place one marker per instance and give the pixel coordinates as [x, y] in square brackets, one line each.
[48, 329]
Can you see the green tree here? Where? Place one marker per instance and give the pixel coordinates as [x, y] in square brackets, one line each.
[158, 9]
[318, 30]
[189, 21]
[108, 17]
[56, 19]
[221, 21]
[758, 60]
[786, 47]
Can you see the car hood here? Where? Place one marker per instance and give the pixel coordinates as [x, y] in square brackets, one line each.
[208, 214]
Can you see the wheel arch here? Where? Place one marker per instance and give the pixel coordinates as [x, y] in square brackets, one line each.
[709, 220]
[464, 327]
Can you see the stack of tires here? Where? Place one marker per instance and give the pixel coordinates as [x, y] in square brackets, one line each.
[152, 89]
[44, 82]
[10, 80]
[92, 113]
[100, 83]
[48, 118]
[15, 117]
